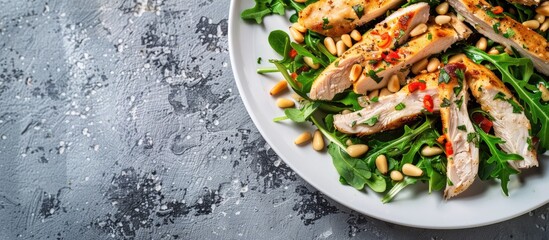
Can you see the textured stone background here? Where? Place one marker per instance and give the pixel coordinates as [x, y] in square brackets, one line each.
[121, 119]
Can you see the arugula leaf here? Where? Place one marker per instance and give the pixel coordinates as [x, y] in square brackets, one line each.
[355, 171]
[263, 8]
[299, 115]
[280, 42]
[407, 181]
[351, 99]
[517, 72]
[497, 163]
[293, 84]
[304, 52]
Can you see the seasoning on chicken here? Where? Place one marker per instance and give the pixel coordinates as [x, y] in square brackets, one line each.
[505, 31]
[437, 39]
[509, 120]
[461, 139]
[525, 2]
[336, 17]
[388, 34]
[393, 111]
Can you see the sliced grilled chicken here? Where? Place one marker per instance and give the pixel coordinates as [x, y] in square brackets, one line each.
[437, 39]
[461, 139]
[510, 33]
[336, 17]
[393, 31]
[525, 2]
[510, 122]
[392, 111]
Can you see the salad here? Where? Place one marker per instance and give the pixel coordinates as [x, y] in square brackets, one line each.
[410, 92]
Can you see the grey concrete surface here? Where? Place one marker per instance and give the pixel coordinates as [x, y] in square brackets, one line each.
[121, 119]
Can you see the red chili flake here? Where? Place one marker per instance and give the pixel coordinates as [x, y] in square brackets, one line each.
[392, 57]
[412, 87]
[428, 103]
[483, 122]
[497, 10]
[441, 139]
[293, 53]
[449, 149]
[403, 22]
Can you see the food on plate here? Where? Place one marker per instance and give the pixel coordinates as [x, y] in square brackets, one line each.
[391, 32]
[505, 30]
[508, 117]
[461, 140]
[419, 97]
[336, 17]
[392, 111]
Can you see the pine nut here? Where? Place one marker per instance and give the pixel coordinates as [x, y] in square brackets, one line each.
[493, 51]
[457, 58]
[318, 141]
[543, 10]
[309, 61]
[482, 44]
[544, 92]
[303, 138]
[544, 25]
[532, 24]
[418, 30]
[357, 150]
[299, 27]
[442, 19]
[347, 40]
[544, 3]
[284, 103]
[420, 65]
[381, 164]
[355, 34]
[396, 176]
[349, 142]
[340, 48]
[433, 65]
[296, 35]
[431, 151]
[411, 170]
[346, 111]
[373, 94]
[540, 18]
[330, 45]
[394, 84]
[279, 87]
[442, 8]
[384, 92]
[356, 70]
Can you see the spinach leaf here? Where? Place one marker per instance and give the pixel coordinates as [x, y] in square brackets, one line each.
[280, 42]
[518, 73]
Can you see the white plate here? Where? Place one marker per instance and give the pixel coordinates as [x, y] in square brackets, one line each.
[482, 205]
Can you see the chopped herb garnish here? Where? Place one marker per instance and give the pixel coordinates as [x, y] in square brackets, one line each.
[459, 102]
[336, 63]
[496, 27]
[530, 144]
[353, 123]
[509, 33]
[457, 89]
[472, 138]
[372, 121]
[429, 36]
[462, 128]
[259, 60]
[374, 76]
[400, 106]
[445, 102]
[444, 77]
[460, 74]
[358, 114]
[325, 24]
[359, 10]
[375, 99]
[492, 14]
[350, 19]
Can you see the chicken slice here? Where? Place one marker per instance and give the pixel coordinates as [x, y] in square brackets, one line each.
[510, 33]
[437, 39]
[385, 110]
[510, 122]
[461, 139]
[336, 17]
[525, 2]
[395, 30]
